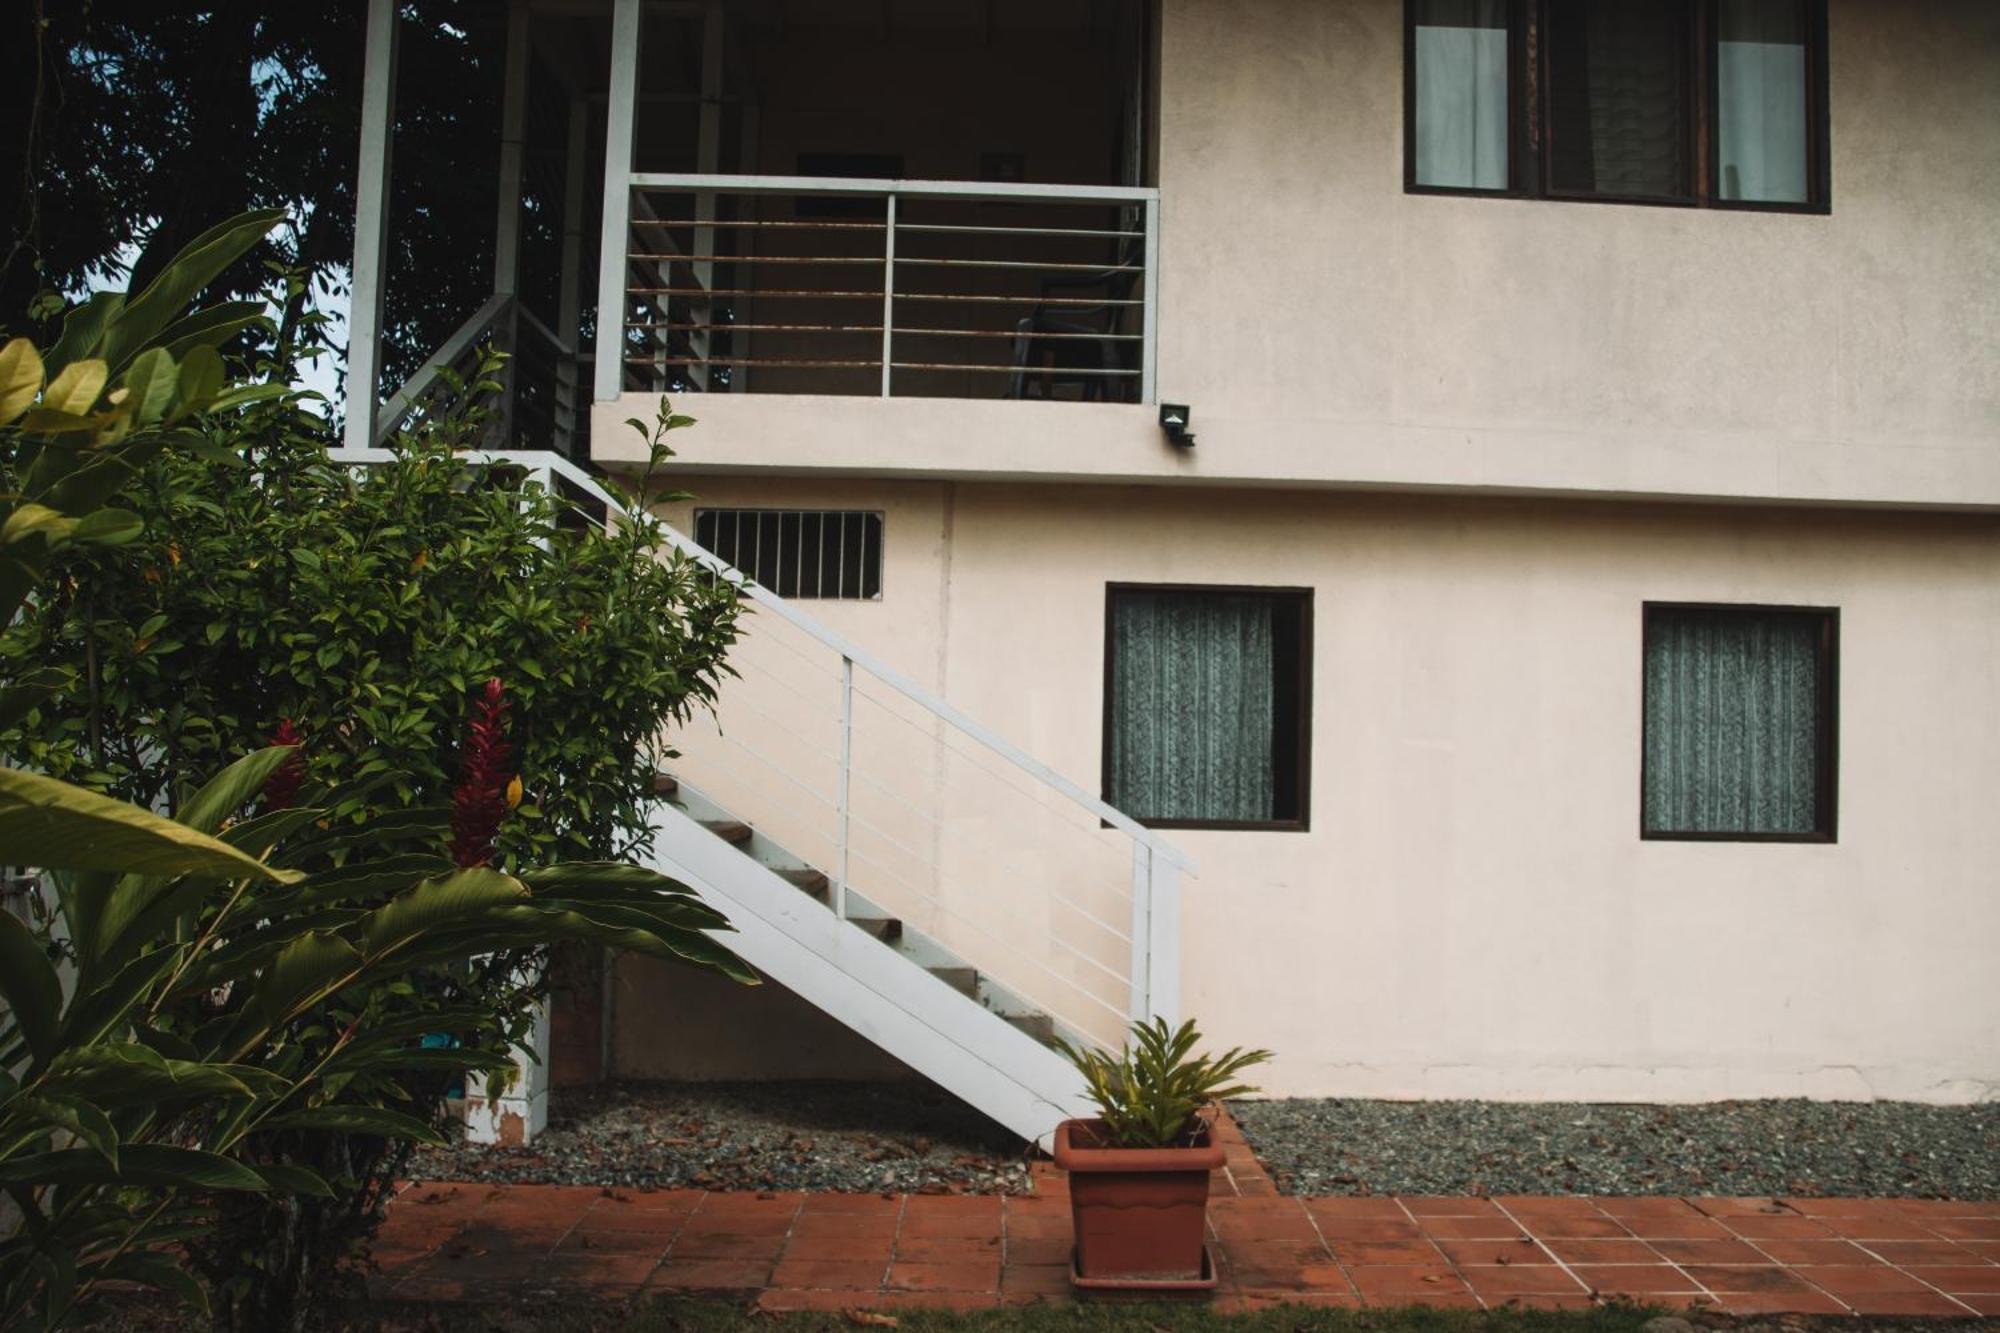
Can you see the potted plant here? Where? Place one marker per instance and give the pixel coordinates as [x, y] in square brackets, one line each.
[1138, 1171]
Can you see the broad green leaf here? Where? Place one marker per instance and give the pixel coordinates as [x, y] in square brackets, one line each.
[76, 387]
[138, 1164]
[158, 1269]
[29, 984]
[83, 329]
[311, 964]
[469, 893]
[54, 825]
[86, 1122]
[599, 874]
[151, 383]
[201, 376]
[248, 394]
[294, 1180]
[108, 527]
[35, 520]
[20, 378]
[31, 689]
[378, 1120]
[205, 330]
[199, 263]
[228, 791]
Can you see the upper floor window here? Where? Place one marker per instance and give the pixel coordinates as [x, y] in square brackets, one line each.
[1711, 102]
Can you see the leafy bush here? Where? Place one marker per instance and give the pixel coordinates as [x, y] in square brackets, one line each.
[1151, 1094]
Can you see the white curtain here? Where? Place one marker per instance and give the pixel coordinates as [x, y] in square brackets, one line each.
[1461, 93]
[1760, 70]
[1192, 706]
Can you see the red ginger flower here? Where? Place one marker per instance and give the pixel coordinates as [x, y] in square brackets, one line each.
[480, 802]
[282, 787]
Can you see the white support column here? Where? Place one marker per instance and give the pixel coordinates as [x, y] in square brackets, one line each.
[611, 263]
[708, 159]
[1149, 350]
[514, 1111]
[371, 225]
[888, 294]
[513, 132]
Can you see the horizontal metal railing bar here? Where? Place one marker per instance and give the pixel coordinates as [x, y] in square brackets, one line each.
[776, 224]
[1004, 370]
[899, 330]
[639, 360]
[901, 260]
[1094, 233]
[876, 296]
[840, 185]
[789, 224]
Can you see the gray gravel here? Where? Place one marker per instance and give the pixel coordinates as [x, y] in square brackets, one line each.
[854, 1137]
[1316, 1146]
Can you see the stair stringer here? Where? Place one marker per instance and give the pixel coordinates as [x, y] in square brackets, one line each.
[896, 1003]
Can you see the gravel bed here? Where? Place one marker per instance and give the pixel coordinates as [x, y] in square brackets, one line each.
[1314, 1146]
[853, 1137]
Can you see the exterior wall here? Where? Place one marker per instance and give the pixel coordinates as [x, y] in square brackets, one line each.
[1472, 912]
[1331, 330]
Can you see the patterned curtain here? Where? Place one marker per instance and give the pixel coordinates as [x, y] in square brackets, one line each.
[1191, 705]
[1732, 721]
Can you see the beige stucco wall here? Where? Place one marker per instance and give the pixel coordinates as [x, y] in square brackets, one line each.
[1472, 912]
[1330, 329]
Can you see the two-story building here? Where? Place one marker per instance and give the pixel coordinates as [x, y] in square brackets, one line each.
[1504, 491]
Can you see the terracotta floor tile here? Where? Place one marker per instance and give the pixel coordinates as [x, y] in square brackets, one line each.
[1675, 1226]
[968, 1276]
[947, 1249]
[1488, 1252]
[786, 1301]
[1911, 1253]
[1720, 1278]
[1040, 1228]
[1271, 1256]
[931, 1300]
[1448, 1205]
[1636, 1279]
[1016, 1207]
[1845, 1279]
[1796, 1252]
[1813, 1206]
[1878, 1226]
[1716, 1205]
[1546, 1301]
[1752, 1226]
[650, 1201]
[1590, 1251]
[1988, 1250]
[1903, 1303]
[678, 1274]
[1963, 1280]
[1986, 1305]
[852, 1205]
[1035, 1253]
[1367, 1229]
[581, 1271]
[1249, 1300]
[1643, 1205]
[844, 1226]
[1045, 1279]
[1406, 1281]
[1965, 1228]
[1709, 1251]
[1348, 1209]
[1576, 1226]
[1494, 1227]
[704, 1222]
[1798, 1302]
[614, 1217]
[829, 1274]
[693, 1244]
[1921, 1208]
[1494, 1284]
[587, 1241]
[1457, 1298]
[840, 1249]
[1353, 1252]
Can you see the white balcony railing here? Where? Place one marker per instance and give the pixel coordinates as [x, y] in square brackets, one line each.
[794, 284]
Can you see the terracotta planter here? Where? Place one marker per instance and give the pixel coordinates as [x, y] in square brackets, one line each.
[1140, 1213]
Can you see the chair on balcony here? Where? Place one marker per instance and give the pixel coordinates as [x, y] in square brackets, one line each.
[1061, 343]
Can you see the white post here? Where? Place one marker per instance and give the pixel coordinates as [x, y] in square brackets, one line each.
[513, 130]
[1163, 970]
[708, 159]
[888, 294]
[611, 262]
[846, 766]
[569, 298]
[1149, 348]
[371, 226]
[1142, 930]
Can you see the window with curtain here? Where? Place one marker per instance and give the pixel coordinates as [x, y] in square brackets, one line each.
[1458, 73]
[1738, 727]
[1716, 103]
[1206, 705]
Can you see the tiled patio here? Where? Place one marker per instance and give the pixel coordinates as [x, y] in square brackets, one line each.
[845, 1251]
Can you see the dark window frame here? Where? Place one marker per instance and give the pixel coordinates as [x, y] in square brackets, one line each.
[1302, 720]
[1826, 738]
[1528, 121]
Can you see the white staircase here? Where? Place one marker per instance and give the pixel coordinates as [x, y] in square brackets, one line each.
[902, 868]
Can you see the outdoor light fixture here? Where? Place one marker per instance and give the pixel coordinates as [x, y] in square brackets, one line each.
[1174, 418]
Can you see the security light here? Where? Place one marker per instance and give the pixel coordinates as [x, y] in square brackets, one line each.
[1174, 418]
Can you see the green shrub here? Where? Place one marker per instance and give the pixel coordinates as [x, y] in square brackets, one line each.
[1152, 1093]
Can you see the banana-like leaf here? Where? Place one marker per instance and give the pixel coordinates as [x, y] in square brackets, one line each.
[438, 902]
[366, 879]
[20, 378]
[118, 1074]
[199, 263]
[29, 984]
[83, 329]
[86, 1121]
[294, 1180]
[138, 1164]
[308, 967]
[107, 527]
[569, 875]
[377, 1120]
[205, 330]
[259, 834]
[202, 370]
[52, 824]
[104, 1008]
[158, 1269]
[36, 520]
[228, 791]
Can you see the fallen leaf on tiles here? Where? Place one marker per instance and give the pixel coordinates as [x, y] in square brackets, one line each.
[870, 1319]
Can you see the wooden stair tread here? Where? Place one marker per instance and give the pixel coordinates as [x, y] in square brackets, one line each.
[964, 980]
[729, 830]
[665, 784]
[1039, 1026]
[807, 880]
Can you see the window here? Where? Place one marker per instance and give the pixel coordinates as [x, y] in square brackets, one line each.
[1719, 103]
[1207, 705]
[1739, 723]
[833, 553]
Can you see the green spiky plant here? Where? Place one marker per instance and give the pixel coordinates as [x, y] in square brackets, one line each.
[1152, 1094]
